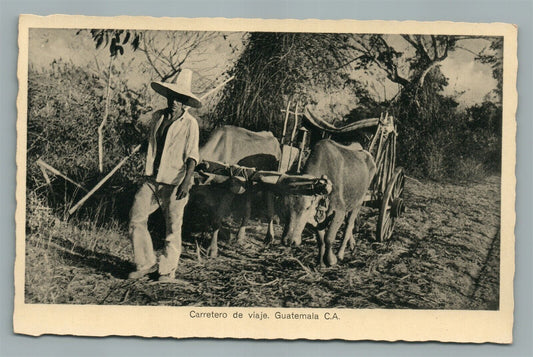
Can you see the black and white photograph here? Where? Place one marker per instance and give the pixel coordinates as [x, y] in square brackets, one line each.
[287, 173]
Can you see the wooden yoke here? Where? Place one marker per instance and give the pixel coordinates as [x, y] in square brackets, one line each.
[214, 171]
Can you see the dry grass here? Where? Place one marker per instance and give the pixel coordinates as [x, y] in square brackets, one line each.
[443, 255]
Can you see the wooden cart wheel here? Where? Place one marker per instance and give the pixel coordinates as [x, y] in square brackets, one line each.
[391, 206]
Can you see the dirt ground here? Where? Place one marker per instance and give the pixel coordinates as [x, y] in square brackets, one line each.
[444, 254]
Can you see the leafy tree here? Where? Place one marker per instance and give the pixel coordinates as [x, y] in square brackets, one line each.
[432, 133]
[493, 55]
[409, 67]
[116, 39]
[485, 116]
[484, 127]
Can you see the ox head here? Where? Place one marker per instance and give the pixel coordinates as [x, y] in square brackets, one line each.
[307, 203]
[303, 210]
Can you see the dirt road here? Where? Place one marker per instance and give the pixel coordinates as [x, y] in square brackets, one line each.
[444, 254]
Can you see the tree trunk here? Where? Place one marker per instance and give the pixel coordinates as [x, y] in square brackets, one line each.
[104, 121]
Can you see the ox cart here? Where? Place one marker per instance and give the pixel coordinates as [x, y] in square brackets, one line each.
[385, 191]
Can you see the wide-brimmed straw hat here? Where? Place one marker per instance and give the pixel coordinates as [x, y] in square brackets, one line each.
[179, 88]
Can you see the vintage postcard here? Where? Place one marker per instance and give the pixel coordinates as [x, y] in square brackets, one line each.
[265, 179]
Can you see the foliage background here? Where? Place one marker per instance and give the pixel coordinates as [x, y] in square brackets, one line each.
[344, 77]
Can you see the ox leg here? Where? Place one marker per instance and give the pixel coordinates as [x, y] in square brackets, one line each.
[357, 225]
[241, 235]
[320, 233]
[212, 251]
[285, 235]
[336, 222]
[221, 211]
[348, 233]
[269, 239]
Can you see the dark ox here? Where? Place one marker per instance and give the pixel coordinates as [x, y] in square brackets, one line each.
[350, 170]
[234, 145]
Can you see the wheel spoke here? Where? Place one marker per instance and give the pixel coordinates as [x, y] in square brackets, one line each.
[398, 186]
[391, 226]
[397, 191]
[387, 225]
[391, 191]
[382, 230]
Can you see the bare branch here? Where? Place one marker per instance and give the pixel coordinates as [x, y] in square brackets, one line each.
[166, 53]
[467, 50]
[435, 47]
[146, 52]
[409, 39]
[423, 49]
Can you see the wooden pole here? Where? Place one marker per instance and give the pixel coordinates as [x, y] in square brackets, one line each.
[104, 121]
[46, 177]
[295, 124]
[285, 123]
[302, 147]
[293, 134]
[217, 87]
[102, 181]
[284, 132]
[44, 166]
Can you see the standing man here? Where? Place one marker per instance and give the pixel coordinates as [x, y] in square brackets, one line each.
[170, 161]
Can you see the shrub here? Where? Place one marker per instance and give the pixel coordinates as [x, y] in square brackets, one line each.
[65, 107]
[437, 140]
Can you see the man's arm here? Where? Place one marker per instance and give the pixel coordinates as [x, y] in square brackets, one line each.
[185, 186]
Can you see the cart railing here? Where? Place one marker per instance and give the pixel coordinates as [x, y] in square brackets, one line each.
[322, 125]
[383, 150]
